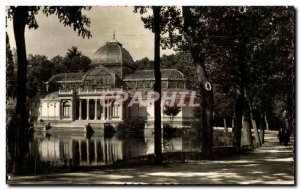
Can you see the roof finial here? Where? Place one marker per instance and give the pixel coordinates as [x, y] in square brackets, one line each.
[114, 35]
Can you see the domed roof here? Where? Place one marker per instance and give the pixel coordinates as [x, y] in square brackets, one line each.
[112, 53]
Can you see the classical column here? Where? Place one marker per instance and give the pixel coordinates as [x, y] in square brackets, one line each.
[109, 110]
[74, 107]
[103, 110]
[87, 109]
[96, 107]
[62, 109]
[80, 109]
[59, 110]
[71, 111]
[54, 110]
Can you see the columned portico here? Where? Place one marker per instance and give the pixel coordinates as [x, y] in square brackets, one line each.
[97, 109]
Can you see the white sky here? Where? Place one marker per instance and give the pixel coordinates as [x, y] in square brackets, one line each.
[52, 38]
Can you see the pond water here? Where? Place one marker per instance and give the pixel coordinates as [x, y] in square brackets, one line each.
[78, 150]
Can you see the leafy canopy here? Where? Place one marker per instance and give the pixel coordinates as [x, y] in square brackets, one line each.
[71, 16]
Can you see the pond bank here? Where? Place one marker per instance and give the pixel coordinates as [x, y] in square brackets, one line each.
[260, 166]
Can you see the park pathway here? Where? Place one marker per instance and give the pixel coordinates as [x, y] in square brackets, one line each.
[270, 164]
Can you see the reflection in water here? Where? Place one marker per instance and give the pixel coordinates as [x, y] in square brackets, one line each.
[60, 150]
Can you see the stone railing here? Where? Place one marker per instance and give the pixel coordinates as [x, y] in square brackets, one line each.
[95, 91]
[65, 91]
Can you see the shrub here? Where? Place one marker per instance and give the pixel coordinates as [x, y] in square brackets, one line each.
[131, 127]
[171, 111]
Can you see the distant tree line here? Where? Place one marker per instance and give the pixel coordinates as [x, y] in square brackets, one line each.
[41, 69]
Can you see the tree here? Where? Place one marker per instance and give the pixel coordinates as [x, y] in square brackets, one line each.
[10, 74]
[58, 64]
[157, 85]
[255, 34]
[262, 44]
[40, 69]
[193, 35]
[144, 63]
[171, 111]
[75, 61]
[22, 16]
[159, 23]
[183, 62]
[246, 52]
[188, 26]
[73, 52]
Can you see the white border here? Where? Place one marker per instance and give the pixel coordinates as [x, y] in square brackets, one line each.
[5, 3]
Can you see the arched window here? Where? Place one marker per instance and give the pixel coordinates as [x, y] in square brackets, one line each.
[66, 109]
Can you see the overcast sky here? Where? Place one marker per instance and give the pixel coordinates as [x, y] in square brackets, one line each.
[52, 38]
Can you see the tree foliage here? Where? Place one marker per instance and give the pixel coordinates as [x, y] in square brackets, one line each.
[10, 71]
[71, 16]
[41, 69]
[75, 61]
[171, 111]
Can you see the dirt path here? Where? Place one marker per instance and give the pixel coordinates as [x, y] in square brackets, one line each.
[269, 164]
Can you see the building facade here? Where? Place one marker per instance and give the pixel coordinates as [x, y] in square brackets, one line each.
[93, 96]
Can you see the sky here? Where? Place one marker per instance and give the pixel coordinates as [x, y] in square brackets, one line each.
[52, 38]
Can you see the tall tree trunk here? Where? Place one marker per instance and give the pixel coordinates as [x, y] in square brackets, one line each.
[240, 107]
[157, 86]
[247, 122]
[247, 131]
[253, 122]
[207, 103]
[225, 125]
[255, 130]
[19, 22]
[266, 121]
[237, 132]
[205, 87]
[262, 127]
[261, 133]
